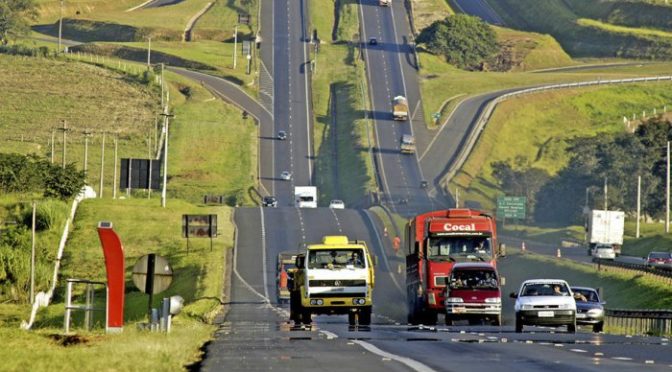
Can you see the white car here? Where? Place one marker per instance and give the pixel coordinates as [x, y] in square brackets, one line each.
[285, 175]
[545, 302]
[337, 204]
[605, 252]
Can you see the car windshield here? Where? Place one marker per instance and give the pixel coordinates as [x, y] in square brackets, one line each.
[451, 248]
[544, 289]
[585, 295]
[659, 255]
[473, 279]
[338, 258]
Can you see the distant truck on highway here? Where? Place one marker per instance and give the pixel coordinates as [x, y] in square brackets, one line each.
[334, 277]
[407, 144]
[606, 228]
[385, 2]
[400, 108]
[305, 196]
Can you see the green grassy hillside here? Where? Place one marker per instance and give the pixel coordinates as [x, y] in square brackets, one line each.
[576, 39]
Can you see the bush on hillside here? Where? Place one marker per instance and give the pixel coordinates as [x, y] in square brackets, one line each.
[30, 173]
[464, 41]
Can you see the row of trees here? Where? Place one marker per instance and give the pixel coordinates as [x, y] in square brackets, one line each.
[34, 174]
[619, 157]
[14, 18]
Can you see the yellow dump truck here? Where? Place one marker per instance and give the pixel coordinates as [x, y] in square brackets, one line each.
[334, 277]
[400, 108]
[407, 144]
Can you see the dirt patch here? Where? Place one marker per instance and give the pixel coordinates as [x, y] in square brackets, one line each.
[70, 340]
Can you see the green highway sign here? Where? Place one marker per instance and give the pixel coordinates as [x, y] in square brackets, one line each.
[511, 207]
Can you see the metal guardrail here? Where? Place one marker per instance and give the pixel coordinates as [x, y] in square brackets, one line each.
[492, 104]
[641, 321]
[665, 275]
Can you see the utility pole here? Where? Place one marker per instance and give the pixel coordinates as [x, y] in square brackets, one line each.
[162, 88]
[151, 161]
[235, 46]
[53, 138]
[60, 27]
[87, 134]
[114, 179]
[65, 130]
[166, 115]
[639, 202]
[102, 166]
[149, 52]
[32, 259]
[667, 192]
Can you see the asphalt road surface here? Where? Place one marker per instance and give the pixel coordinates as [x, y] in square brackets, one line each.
[256, 333]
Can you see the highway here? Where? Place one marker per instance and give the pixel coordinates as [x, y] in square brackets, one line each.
[391, 72]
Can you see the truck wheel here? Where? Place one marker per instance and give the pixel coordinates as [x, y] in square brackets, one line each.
[571, 327]
[306, 316]
[519, 325]
[449, 320]
[430, 318]
[597, 328]
[497, 321]
[475, 321]
[365, 317]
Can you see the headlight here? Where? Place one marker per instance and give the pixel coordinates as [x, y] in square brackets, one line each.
[564, 306]
[595, 312]
[453, 300]
[493, 300]
[526, 307]
[320, 302]
[313, 302]
[358, 301]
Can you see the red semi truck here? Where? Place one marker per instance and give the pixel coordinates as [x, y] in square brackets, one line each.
[435, 241]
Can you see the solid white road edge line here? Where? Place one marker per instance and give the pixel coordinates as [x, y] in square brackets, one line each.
[263, 252]
[412, 364]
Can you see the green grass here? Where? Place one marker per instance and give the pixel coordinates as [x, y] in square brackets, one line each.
[541, 124]
[652, 238]
[65, 90]
[219, 22]
[426, 12]
[172, 18]
[227, 163]
[623, 29]
[340, 76]
[531, 51]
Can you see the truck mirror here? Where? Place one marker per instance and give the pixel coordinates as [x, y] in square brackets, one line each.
[300, 262]
[502, 281]
[513, 295]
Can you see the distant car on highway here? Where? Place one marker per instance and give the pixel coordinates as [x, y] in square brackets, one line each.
[659, 260]
[373, 41]
[337, 204]
[286, 175]
[589, 308]
[269, 201]
[545, 302]
[603, 251]
[282, 135]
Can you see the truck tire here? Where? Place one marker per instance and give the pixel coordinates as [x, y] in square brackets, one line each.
[430, 318]
[306, 317]
[597, 328]
[352, 319]
[571, 327]
[449, 320]
[519, 325]
[365, 317]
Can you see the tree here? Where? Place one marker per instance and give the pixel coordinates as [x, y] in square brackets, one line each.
[14, 17]
[463, 40]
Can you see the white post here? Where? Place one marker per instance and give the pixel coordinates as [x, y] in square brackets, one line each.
[114, 178]
[165, 161]
[235, 46]
[639, 202]
[149, 52]
[102, 166]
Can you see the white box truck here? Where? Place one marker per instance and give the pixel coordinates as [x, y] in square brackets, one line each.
[385, 2]
[606, 228]
[305, 196]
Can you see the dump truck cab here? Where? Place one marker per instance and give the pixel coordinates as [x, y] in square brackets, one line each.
[334, 277]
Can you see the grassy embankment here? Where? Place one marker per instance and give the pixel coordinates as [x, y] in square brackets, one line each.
[540, 125]
[201, 122]
[588, 41]
[341, 136]
[126, 36]
[425, 12]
